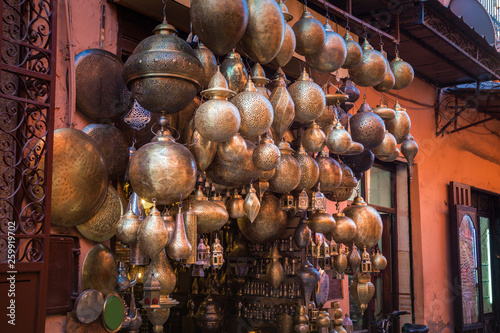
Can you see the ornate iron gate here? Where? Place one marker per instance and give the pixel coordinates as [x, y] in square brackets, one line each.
[27, 92]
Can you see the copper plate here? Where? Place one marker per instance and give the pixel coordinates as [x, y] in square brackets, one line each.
[102, 226]
[88, 306]
[99, 270]
[101, 94]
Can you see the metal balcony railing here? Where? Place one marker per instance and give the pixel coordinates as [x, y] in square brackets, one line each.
[493, 8]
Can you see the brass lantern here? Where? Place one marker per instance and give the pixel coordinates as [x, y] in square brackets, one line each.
[372, 68]
[362, 290]
[354, 52]
[368, 223]
[330, 173]
[367, 128]
[163, 73]
[400, 125]
[332, 55]
[403, 73]
[152, 295]
[234, 72]
[308, 97]
[217, 254]
[287, 175]
[309, 33]
[309, 171]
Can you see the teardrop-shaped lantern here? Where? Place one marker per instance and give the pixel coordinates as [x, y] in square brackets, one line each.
[372, 68]
[233, 149]
[302, 235]
[163, 272]
[260, 80]
[313, 138]
[409, 148]
[330, 173]
[354, 259]
[251, 204]
[127, 227]
[387, 147]
[163, 72]
[308, 97]
[210, 215]
[234, 72]
[208, 63]
[352, 91]
[321, 222]
[266, 155]
[283, 106]
[345, 229]
[403, 73]
[338, 140]
[332, 55]
[152, 235]
[366, 127]
[256, 112]
[354, 52]
[217, 119]
[269, 224]
[219, 24]
[275, 274]
[309, 170]
[163, 170]
[179, 247]
[287, 49]
[309, 33]
[265, 31]
[400, 125]
[341, 262]
[388, 81]
[368, 223]
[309, 277]
[287, 175]
[346, 187]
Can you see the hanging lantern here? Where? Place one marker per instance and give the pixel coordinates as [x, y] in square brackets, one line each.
[260, 80]
[265, 31]
[301, 320]
[151, 297]
[367, 128]
[256, 111]
[275, 274]
[219, 29]
[308, 97]
[302, 235]
[354, 52]
[345, 229]
[309, 33]
[387, 147]
[388, 81]
[287, 202]
[361, 162]
[285, 54]
[163, 71]
[313, 138]
[163, 272]
[409, 148]
[163, 169]
[383, 111]
[201, 254]
[210, 215]
[368, 223]
[391, 157]
[303, 200]
[217, 119]
[332, 55]
[400, 125]
[190, 220]
[366, 264]
[266, 155]
[333, 247]
[233, 149]
[208, 63]
[346, 187]
[217, 259]
[269, 224]
[283, 106]
[209, 316]
[341, 262]
[309, 170]
[403, 72]
[287, 175]
[362, 290]
[251, 204]
[179, 247]
[152, 235]
[321, 222]
[202, 149]
[354, 259]
[379, 262]
[126, 228]
[235, 206]
[318, 200]
[309, 277]
[372, 68]
[234, 71]
[330, 173]
[208, 254]
[338, 140]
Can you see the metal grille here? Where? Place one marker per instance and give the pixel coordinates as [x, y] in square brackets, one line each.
[26, 128]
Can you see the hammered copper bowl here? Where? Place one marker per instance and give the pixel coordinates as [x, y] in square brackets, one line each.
[80, 178]
[269, 224]
[163, 170]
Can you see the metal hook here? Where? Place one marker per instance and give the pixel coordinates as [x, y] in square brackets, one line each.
[164, 10]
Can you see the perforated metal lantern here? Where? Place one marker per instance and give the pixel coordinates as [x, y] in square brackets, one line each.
[372, 68]
[163, 72]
